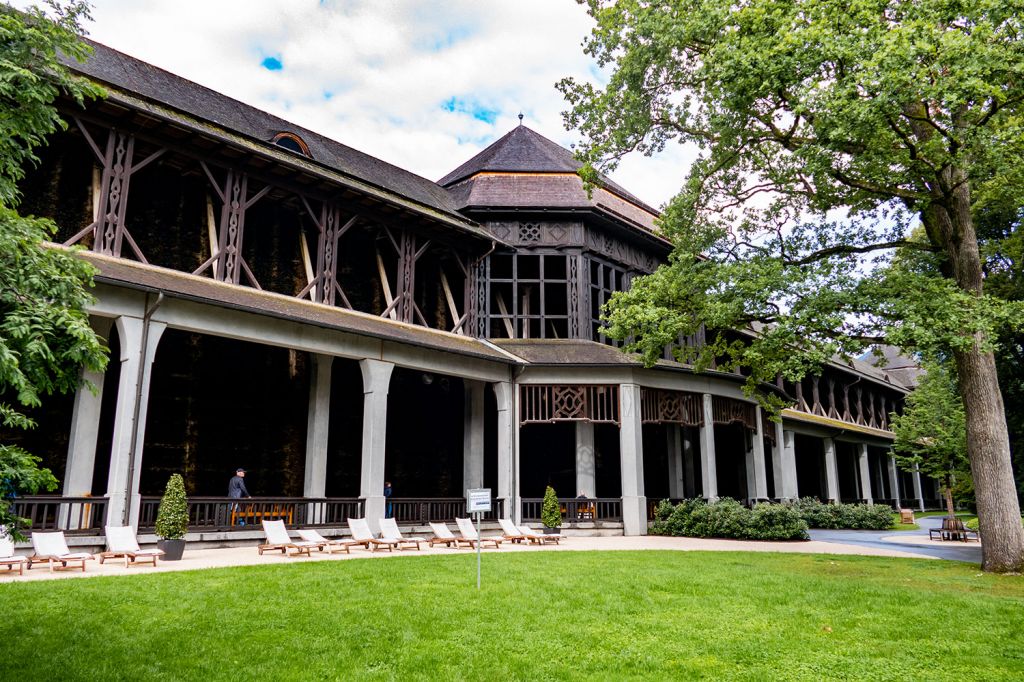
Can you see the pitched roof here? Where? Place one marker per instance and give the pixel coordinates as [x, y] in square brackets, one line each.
[523, 150]
[123, 72]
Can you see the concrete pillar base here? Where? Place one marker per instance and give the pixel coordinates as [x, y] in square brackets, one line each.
[634, 515]
[373, 510]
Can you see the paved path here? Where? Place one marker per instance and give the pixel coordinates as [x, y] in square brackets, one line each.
[247, 556]
[915, 542]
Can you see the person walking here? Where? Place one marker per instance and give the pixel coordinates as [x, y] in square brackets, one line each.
[387, 498]
[237, 490]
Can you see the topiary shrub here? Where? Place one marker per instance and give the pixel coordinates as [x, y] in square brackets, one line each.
[777, 522]
[172, 519]
[550, 510]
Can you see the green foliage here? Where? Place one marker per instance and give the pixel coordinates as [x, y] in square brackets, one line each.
[843, 516]
[19, 475]
[551, 510]
[823, 131]
[932, 431]
[45, 337]
[727, 518]
[172, 519]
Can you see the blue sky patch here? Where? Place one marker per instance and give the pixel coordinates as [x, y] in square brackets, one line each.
[472, 108]
[272, 63]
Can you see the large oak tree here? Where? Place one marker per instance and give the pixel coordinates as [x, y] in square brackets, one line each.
[827, 131]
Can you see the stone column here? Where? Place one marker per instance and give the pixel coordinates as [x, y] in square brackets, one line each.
[831, 471]
[85, 425]
[894, 482]
[674, 450]
[777, 460]
[690, 481]
[788, 478]
[318, 422]
[631, 453]
[917, 488]
[473, 435]
[504, 394]
[130, 418]
[586, 465]
[758, 487]
[865, 473]
[376, 381]
[708, 470]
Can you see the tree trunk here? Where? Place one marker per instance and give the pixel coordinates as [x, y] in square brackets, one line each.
[988, 447]
[949, 220]
[947, 491]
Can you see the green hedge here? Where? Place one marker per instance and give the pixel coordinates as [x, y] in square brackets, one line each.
[727, 518]
[843, 516]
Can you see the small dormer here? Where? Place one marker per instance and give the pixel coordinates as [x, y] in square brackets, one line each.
[292, 143]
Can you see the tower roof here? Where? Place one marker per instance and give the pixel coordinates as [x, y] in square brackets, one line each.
[523, 150]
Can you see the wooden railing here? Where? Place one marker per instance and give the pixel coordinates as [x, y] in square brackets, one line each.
[423, 510]
[73, 515]
[226, 513]
[577, 509]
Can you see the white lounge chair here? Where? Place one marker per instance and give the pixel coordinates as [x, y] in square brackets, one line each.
[389, 531]
[310, 535]
[52, 548]
[510, 532]
[362, 535]
[469, 534]
[278, 538]
[539, 537]
[7, 556]
[121, 541]
[444, 536]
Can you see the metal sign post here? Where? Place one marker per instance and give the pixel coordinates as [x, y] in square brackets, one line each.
[478, 501]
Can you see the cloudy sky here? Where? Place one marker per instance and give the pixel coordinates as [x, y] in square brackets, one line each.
[423, 85]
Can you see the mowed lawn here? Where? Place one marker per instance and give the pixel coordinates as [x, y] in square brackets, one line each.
[541, 615]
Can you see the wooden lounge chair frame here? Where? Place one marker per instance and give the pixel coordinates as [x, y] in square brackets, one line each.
[389, 531]
[7, 556]
[56, 557]
[510, 532]
[311, 535]
[362, 535]
[131, 556]
[540, 538]
[444, 536]
[470, 535]
[299, 548]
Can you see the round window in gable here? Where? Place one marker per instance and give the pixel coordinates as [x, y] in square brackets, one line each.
[292, 143]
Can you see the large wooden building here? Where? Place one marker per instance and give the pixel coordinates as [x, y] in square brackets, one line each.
[278, 301]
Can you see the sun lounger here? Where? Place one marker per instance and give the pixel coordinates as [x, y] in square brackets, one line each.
[510, 532]
[52, 548]
[361, 534]
[310, 535]
[469, 534]
[444, 536]
[278, 538]
[7, 556]
[121, 542]
[389, 531]
[539, 537]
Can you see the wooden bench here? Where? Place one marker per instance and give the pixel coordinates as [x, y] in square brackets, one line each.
[247, 512]
[906, 516]
[952, 529]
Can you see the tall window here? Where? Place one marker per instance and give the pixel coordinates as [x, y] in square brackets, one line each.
[529, 296]
[605, 278]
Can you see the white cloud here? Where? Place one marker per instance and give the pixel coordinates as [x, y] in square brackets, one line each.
[376, 74]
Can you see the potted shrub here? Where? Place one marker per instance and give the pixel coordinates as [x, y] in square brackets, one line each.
[551, 511]
[172, 519]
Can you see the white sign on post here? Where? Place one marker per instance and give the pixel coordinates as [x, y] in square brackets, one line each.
[478, 501]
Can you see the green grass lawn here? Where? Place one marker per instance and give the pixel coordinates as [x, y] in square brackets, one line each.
[542, 615]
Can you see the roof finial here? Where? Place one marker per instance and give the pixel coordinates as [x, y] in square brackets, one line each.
[520, 118]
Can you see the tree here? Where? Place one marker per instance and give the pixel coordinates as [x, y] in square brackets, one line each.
[172, 518]
[826, 131]
[45, 337]
[931, 434]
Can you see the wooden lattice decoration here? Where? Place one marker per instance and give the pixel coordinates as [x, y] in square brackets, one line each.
[541, 404]
[671, 407]
[728, 411]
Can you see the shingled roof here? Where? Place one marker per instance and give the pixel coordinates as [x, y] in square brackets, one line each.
[124, 73]
[523, 150]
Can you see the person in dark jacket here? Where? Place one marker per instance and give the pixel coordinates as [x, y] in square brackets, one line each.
[237, 490]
